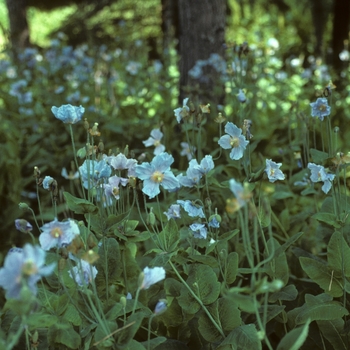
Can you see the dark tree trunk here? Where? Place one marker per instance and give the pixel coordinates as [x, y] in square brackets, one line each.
[319, 11]
[341, 20]
[19, 30]
[201, 33]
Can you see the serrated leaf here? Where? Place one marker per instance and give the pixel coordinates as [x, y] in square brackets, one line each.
[225, 313]
[295, 338]
[320, 274]
[72, 315]
[242, 338]
[169, 238]
[208, 287]
[205, 259]
[63, 333]
[338, 254]
[321, 312]
[78, 205]
[37, 320]
[203, 282]
[109, 264]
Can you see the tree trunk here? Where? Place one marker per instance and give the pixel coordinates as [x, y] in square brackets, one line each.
[19, 30]
[341, 20]
[201, 34]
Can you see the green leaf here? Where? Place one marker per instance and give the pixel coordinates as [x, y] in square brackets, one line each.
[208, 287]
[323, 312]
[272, 311]
[333, 331]
[228, 235]
[63, 333]
[225, 313]
[61, 304]
[277, 268]
[203, 282]
[244, 302]
[327, 218]
[295, 338]
[288, 243]
[288, 293]
[205, 259]
[338, 254]
[320, 274]
[153, 343]
[169, 238]
[127, 334]
[114, 312]
[78, 205]
[72, 315]
[264, 213]
[231, 267]
[37, 320]
[317, 156]
[242, 338]
[109, 264]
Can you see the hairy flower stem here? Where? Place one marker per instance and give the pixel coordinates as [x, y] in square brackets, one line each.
[197, 299]
[136, 299]
[75, 158]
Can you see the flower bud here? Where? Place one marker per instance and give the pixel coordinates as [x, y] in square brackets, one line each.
[126, 151]
[23, 206]
[61, 264]
[123, 301]
[151, 218]
[160, 307]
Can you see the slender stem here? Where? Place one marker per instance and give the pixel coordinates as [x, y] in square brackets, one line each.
[75, 158]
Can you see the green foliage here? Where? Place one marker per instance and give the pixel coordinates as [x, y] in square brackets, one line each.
[270, 272]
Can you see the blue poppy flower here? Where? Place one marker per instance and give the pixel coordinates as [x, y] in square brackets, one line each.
[182, 112]
[154, 140]
[320, 108]
[157, 173]
[318, 174]
[151, 276]
[173, 212]
[68, 114]
[23, 267]
[191, 209]
[273, 172]
[93, 171]
[58, 234]
[234, 140]
[199, 231]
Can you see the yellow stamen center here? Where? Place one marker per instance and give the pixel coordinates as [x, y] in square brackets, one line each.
[29, 268]
[234, 141]
[157, 176]
[56, 232]
[115, 191]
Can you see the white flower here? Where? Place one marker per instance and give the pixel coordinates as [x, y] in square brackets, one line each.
[152, 276]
